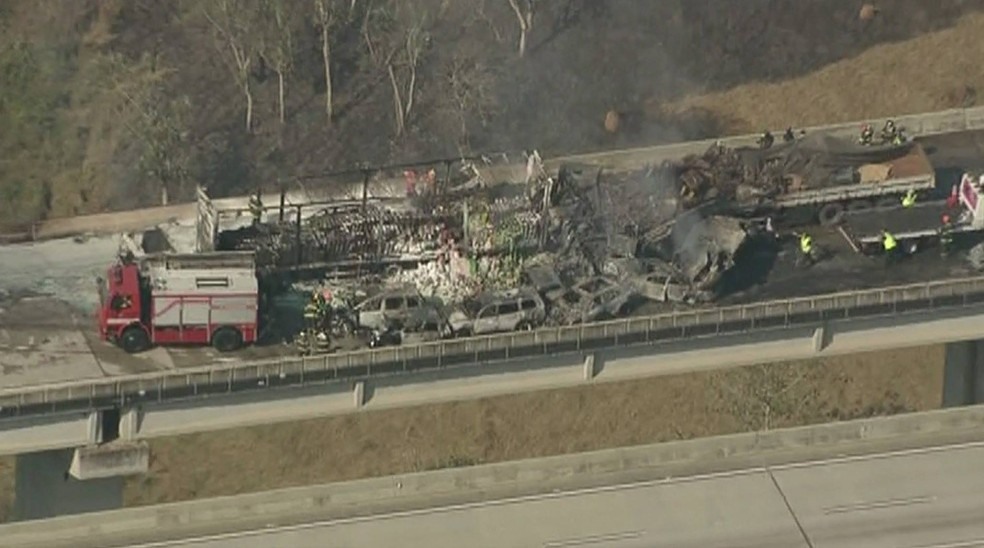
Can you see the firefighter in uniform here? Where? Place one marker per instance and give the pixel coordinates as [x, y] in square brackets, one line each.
[890, 133]
[256, 207]
[909, 200]
[322, 342]
[946, 236]
[303, 343]
[766, 140]
[311, 312]
[807, 254]
[867, 135]
[892, 252]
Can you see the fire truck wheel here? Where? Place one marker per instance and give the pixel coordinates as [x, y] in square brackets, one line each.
[227, 339]
[134, 339]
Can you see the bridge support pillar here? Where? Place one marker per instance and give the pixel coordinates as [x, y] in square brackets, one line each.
[94, 433]
[130, 424]
[963, 374]
[359, 393]
[589, 367]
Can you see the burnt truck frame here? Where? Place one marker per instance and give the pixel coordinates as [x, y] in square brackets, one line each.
[830, 204]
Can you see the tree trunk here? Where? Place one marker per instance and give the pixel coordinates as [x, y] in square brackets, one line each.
[249, 106]
[326, 57]
[397, 102]
[410, 92]
[283, 95]
[522, 42]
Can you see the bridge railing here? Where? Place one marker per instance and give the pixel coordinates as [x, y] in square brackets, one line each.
[217, 379]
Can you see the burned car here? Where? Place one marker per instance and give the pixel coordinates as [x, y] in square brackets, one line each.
[596, 298]
[419, 327]
[493, 312]
[663, 284]
[395, 309]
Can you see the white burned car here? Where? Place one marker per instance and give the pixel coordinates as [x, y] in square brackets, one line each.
[397, 309]
[493, 312]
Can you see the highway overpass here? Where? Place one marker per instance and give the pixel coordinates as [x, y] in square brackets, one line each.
[906, 481]
[175, 400]
[140, 407]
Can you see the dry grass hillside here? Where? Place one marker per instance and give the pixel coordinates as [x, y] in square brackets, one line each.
[539, 424]
[935, 71]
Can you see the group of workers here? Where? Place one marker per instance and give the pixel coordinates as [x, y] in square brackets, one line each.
[890, 133]
[767, 140]
[890, 245]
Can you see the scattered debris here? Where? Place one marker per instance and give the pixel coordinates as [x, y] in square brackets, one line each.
[975, 256]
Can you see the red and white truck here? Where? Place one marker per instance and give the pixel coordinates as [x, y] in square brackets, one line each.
[196, 299]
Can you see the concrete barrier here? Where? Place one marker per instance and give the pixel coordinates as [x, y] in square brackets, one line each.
[110, 460]
[916, 125]
[540, 474]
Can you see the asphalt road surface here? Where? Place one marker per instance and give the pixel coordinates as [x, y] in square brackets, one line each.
[925, 498]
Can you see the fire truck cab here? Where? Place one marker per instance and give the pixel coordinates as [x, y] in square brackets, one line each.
[208, 298]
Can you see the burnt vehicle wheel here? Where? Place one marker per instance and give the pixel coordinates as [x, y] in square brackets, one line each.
[227, 339]
[463, 333]
[831, 214]
[524, 326]
[134, 339]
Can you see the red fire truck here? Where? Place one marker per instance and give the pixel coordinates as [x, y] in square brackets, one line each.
[208, 298]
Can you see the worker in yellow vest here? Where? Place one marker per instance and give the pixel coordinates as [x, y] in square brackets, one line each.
[892, 251]
[807, 253]
[909, 199]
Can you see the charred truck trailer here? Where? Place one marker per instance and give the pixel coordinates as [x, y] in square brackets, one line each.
[199, 299]
[815, 178]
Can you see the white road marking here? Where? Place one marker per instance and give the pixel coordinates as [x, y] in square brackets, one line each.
[596, 539]
[566, 494]
[877, 505]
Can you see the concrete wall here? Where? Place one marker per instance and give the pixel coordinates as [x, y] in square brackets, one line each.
[963, 378]
[535, 475]
[45, 489]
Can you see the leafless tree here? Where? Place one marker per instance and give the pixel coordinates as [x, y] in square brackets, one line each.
[234, 25]
[155, 120]
[401, 42]
[278, 46]
[325, 17]
[762, 396]
[524, 14]
[469, 84]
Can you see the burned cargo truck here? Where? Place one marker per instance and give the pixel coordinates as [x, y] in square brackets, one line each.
[814, 178]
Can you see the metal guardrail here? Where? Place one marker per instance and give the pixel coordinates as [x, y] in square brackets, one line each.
[475, 351]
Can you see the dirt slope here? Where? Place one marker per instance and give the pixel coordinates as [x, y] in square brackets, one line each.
[935, 71]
